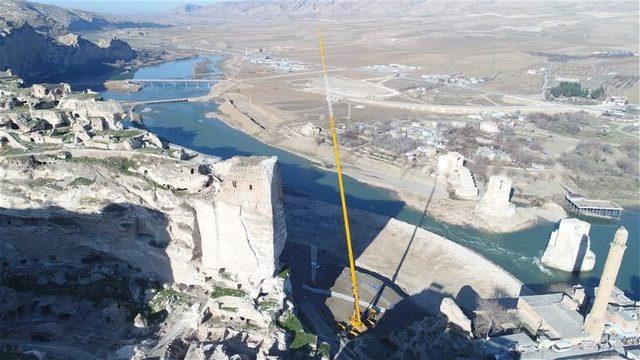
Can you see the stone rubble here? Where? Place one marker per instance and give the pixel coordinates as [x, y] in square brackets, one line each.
[455, 316]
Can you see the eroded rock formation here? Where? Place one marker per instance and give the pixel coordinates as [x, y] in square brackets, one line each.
[161, 251]
[45, 58]
[569, 247]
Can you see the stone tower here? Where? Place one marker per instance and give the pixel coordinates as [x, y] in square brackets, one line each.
[594, 323]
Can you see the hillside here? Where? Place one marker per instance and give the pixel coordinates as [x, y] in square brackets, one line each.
[53, 19]
[300, 8]
[38, 42]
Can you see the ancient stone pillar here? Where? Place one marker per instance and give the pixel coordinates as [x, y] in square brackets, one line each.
[594, 323]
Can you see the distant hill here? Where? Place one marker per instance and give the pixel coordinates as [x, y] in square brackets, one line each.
[54, 19]
[300, 8]
[37, 42]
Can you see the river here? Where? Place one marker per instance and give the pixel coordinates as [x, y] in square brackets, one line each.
[518, 252]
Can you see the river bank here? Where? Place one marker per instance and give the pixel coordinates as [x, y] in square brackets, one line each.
[517, 252]
[417, 189]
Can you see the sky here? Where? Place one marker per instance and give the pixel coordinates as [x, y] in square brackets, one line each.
[122, 6]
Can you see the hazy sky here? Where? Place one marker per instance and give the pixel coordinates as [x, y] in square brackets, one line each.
[122, 6]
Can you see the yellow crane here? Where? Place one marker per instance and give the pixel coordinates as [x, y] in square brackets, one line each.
[356, 324]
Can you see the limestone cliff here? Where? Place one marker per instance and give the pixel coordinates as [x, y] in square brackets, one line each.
[117, 245]
[176, 220]
[36, 56]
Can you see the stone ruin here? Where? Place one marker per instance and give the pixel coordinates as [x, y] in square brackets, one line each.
[495, 202]
[452, 170]
[569, 247]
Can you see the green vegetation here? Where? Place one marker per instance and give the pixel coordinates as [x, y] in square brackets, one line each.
[122, 134]
[291, 323]
[40, 182]
[5, 151]
[302, 339]
[161, 297]
[62, 133]
[597, 93]
[324, 350]
[266, 305]
[117, 163]
[574, 89]
[220, 292]
[81, 181]
[229, 308]
[284, 273]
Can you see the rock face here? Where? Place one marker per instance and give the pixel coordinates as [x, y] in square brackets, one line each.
[455, 316]
[57, 20]
[195, 214]
[495, 201]
[169, 253]
[177, 231]
[569, 247]
[451, 168]
[45, 58]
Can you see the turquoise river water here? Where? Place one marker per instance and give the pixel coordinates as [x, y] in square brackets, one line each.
[518, 252]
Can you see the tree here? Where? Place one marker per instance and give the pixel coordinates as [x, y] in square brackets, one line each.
[597, 93]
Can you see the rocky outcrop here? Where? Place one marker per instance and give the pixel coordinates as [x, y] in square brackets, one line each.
[36, 56]
[455, 316]
[57, 20]
[198, 217]
[495, 202]
[569, 247]
[160, 252]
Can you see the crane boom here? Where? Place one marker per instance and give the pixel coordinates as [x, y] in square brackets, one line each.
[356, 318]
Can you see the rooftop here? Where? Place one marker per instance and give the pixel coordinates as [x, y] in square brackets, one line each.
[585, 203]
[566, 322]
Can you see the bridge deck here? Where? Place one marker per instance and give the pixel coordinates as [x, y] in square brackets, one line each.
[171, 80]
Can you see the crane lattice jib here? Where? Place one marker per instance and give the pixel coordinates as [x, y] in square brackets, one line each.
[356, 318]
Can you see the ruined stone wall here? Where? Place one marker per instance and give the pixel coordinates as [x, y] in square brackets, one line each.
[245, 223]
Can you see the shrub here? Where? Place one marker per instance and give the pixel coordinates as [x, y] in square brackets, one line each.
[220, 292]
[81, 181]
